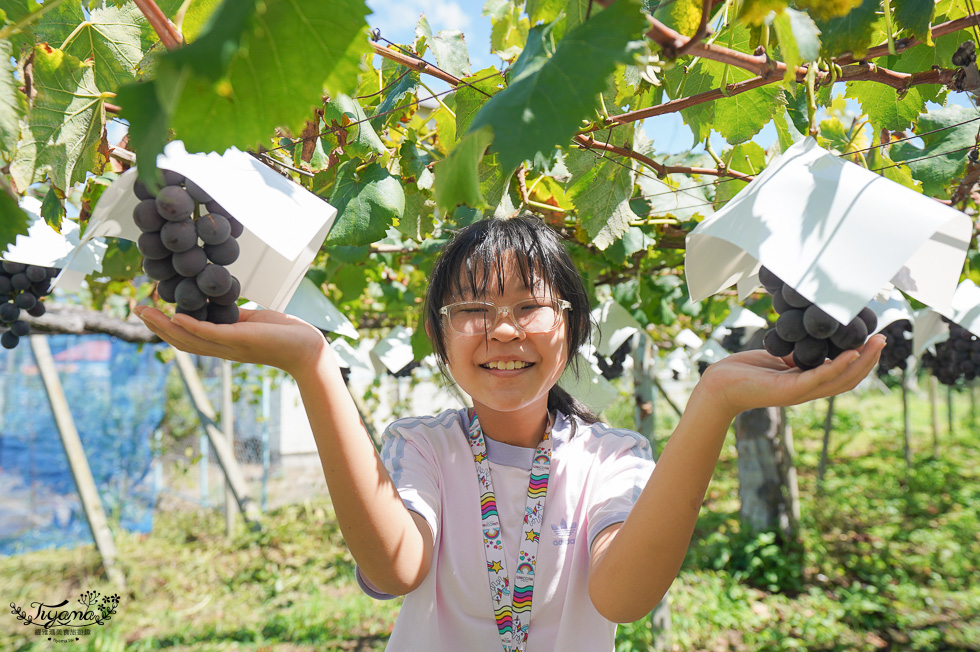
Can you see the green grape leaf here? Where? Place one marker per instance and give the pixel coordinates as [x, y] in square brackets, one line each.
[576, 12]
[66, 124]
[601, 194]
[291, 51]
[799, 40]
[885, 108]
[416, 222]
[122, 260]
[945, 148]
[457, 178]
[683, 16]
[395, 97]
[113, 37]
[148, 118]
[544, 106]
[786, 131]
[900, 174]
[449, 48]
[852, 32]
[446, 123]
[13, 103]
[16, 11]
[510, 28]
[748, 158]
[916, 17]
[678, 198]
[756, 12]
[922, 58]
[53, 209]
[360, 139]
[544, 10]
[13, 220]
[473, 94]
[367, 202]
[686, 81]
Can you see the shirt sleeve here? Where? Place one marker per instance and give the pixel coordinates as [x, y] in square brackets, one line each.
[411, 464]
[624, 466]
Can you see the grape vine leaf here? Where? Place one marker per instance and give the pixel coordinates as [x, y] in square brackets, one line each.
[13, 104]
[543, 105]
[473, 94]
[852, 32]
[66, 123]
[916, 17]
[113, 37]
[757, 12]
[509, 28]
[448, 47]
[601, 193]
[457, 178]
[544, 10]
[799, 40]
[683, 16]
[924, 58]
[395, 97]
[576, 12]
[368, 201]
[747, 158]
[13, 220]
[360, 139]
[947, 148]
[884, 106]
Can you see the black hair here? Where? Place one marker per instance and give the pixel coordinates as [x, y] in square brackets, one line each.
[471, 261]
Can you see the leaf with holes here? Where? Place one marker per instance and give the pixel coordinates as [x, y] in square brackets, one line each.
[359, 138]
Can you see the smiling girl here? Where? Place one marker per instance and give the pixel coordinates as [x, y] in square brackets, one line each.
[522, 523]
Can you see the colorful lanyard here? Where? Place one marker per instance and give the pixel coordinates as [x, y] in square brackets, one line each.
[511, 611]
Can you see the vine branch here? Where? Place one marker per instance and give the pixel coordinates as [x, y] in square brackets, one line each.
[169, 36]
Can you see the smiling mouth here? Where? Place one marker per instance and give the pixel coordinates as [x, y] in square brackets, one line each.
[507, 366]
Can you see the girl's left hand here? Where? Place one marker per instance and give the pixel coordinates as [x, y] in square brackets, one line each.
[754, 379]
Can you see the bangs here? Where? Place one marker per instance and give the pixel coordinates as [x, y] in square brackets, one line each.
[482, 268]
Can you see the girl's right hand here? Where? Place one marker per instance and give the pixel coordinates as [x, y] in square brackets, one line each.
[261, 337]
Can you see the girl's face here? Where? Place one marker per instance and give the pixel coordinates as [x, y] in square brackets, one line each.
[541, 357]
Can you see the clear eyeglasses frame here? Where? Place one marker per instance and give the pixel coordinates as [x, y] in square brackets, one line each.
[531, 315]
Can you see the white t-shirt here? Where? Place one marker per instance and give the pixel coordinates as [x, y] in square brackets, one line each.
[596, 477]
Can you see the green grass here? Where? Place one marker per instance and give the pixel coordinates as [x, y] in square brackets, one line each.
[887, 559]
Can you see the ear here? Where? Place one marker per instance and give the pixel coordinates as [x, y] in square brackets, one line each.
[428, 330]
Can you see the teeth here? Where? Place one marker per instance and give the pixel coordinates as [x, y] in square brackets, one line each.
[507, 366]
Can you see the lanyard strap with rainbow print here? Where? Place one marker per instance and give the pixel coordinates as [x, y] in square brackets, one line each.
[511, 609]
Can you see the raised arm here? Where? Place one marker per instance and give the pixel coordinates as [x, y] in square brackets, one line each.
[392, 546]
[634, 563]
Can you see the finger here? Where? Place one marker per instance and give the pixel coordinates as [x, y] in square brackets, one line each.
[174, 332]
[848, 369]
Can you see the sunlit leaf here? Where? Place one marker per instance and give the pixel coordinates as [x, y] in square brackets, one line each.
[367, 202]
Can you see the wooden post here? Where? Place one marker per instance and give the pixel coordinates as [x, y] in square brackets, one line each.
[949, 421]
[80, 470]
[226, 457]
[644, 391]
[934, 402]
[228, 428]
[828, 425]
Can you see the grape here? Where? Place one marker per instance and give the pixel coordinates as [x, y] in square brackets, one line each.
[776, 345]
[790, 326]
[236, 227]
[174, 204]
[201, 314]
[20, 281]
[172, 178]
[146, 217]
[218, 314]
[9, 313]
[231, 296]
[189, 296]
[810, 353]
[190, 262]
[179, 236]
[196, 193]
[214, 281]
[769, 280]
[38, 310]
[794, 298]
[25, 300]
[223, 254]
[215, 207]
[41, 289]
[9, 340]
[851, 336]
[779, 303]
[151, 246]
[869, 318]
[213, 228]
[5, 286]
[36, 274]
[818, 323]
[159, 270]
[141, 191]
[20, 328]
[13, 268]
[166, 288]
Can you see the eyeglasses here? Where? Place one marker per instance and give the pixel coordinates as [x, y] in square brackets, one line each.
[532, 315]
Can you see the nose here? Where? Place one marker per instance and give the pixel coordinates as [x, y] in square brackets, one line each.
[511, 331]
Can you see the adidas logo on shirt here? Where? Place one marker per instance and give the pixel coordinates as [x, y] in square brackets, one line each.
[565, 533]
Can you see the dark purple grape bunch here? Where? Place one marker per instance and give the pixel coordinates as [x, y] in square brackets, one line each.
[733, 339]
[956, 358]
[898, 346]
[187, 240]
[612, 367]
[805, 331]
[21, 289]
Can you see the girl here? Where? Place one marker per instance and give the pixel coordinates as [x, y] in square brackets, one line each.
[522, 524]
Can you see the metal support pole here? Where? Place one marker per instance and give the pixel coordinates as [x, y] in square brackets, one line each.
[226, 457]
[228, 428]
[266, 424]
[80, 470]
